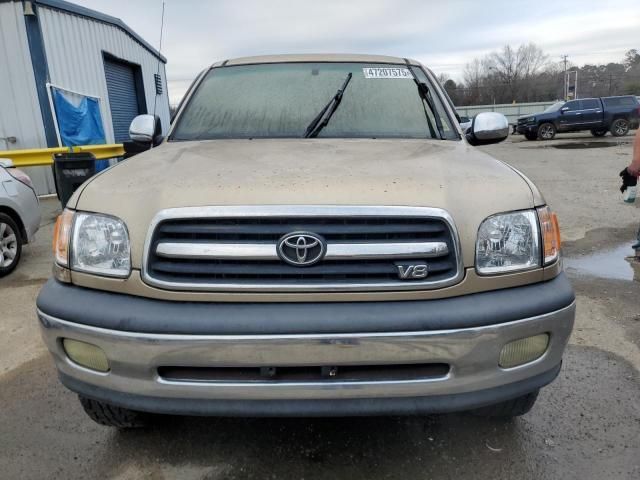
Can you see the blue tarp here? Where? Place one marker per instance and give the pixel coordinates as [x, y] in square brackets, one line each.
[81, 125]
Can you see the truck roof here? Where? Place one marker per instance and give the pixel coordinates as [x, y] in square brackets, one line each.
[315, 57]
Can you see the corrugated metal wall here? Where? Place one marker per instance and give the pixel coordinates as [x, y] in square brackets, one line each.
[74, 47]
[511, 110]
[20, 115]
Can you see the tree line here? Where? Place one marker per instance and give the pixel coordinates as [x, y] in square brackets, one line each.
[526, 74]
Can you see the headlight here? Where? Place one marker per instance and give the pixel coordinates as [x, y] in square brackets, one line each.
[100, 245]
[508, 242]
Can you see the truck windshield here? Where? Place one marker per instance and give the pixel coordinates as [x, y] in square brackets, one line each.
[555, 107]
[280, 100]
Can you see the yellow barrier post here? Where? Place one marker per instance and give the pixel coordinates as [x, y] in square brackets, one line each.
[44, 156]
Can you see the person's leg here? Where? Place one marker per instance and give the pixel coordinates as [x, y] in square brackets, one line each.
[634, 169]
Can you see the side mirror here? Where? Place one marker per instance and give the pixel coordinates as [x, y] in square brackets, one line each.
[564, 109]
[487, 128]
[143, 129]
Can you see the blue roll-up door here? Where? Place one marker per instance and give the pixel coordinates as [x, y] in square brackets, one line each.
[123, 97]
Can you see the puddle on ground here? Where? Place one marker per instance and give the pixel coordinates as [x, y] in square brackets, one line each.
[617, 263]
[577, 146]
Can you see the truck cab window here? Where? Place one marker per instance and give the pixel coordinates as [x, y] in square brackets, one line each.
[590, 103]
[572, 106]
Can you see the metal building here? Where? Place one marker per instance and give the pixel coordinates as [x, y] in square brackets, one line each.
[54, 44]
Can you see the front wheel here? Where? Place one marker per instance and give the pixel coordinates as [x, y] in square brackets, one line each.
[620, 127]
[10, 244]
[113, 416]
[547, 131]
[531, 136]
[598, 133]
[510, 408]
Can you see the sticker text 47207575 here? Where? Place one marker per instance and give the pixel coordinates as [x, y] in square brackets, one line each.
[387, 72]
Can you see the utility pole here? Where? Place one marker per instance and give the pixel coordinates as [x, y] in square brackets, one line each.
[564, 76]
[493, 88]
[610, 77]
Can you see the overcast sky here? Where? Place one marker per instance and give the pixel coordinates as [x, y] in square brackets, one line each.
[442, 34]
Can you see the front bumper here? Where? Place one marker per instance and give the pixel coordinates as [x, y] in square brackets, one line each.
[474, 378]
[527, 128]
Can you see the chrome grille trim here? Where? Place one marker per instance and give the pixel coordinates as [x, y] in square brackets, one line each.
[303, 211]
[201, 251]
[335, 251]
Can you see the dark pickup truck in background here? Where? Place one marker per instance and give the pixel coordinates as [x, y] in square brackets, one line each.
[599, 115]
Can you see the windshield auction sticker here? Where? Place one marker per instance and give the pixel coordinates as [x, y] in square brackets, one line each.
[386, 72]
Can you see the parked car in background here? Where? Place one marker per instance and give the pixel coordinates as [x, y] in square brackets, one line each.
[19, 215]
[599, 115]
[465, 123]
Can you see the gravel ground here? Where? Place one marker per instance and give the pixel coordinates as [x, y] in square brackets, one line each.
[585, 425]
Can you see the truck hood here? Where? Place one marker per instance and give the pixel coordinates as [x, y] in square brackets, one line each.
[450, 175]
[539, 116]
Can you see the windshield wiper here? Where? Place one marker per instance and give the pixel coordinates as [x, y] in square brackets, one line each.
[425, 94]
[321, 120]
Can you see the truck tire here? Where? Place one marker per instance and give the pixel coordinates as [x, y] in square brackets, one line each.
[620, 127]
[10, 244]
[531, 136]
[510, 408]
[546, 131]
[113, 416]
[599, 133]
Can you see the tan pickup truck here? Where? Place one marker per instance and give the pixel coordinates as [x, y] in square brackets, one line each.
[315, 236]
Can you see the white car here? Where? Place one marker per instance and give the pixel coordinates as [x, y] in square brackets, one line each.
[19, 215]
[465, 123]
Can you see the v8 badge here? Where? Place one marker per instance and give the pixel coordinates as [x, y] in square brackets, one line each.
[412, 271]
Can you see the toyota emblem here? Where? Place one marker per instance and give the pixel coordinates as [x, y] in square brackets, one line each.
[301, 249]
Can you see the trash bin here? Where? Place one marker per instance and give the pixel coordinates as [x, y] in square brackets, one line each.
[70, 170]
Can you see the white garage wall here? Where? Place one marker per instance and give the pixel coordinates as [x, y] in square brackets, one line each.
[74, 46]
[20, 114]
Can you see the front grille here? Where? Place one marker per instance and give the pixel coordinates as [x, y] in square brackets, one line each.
[238, 252]
[341, 373]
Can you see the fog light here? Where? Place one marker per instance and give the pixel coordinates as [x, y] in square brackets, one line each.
[524, 350]
[86, 355]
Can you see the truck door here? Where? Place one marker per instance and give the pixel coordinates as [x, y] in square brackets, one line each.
[570, 115]
[591, 112]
